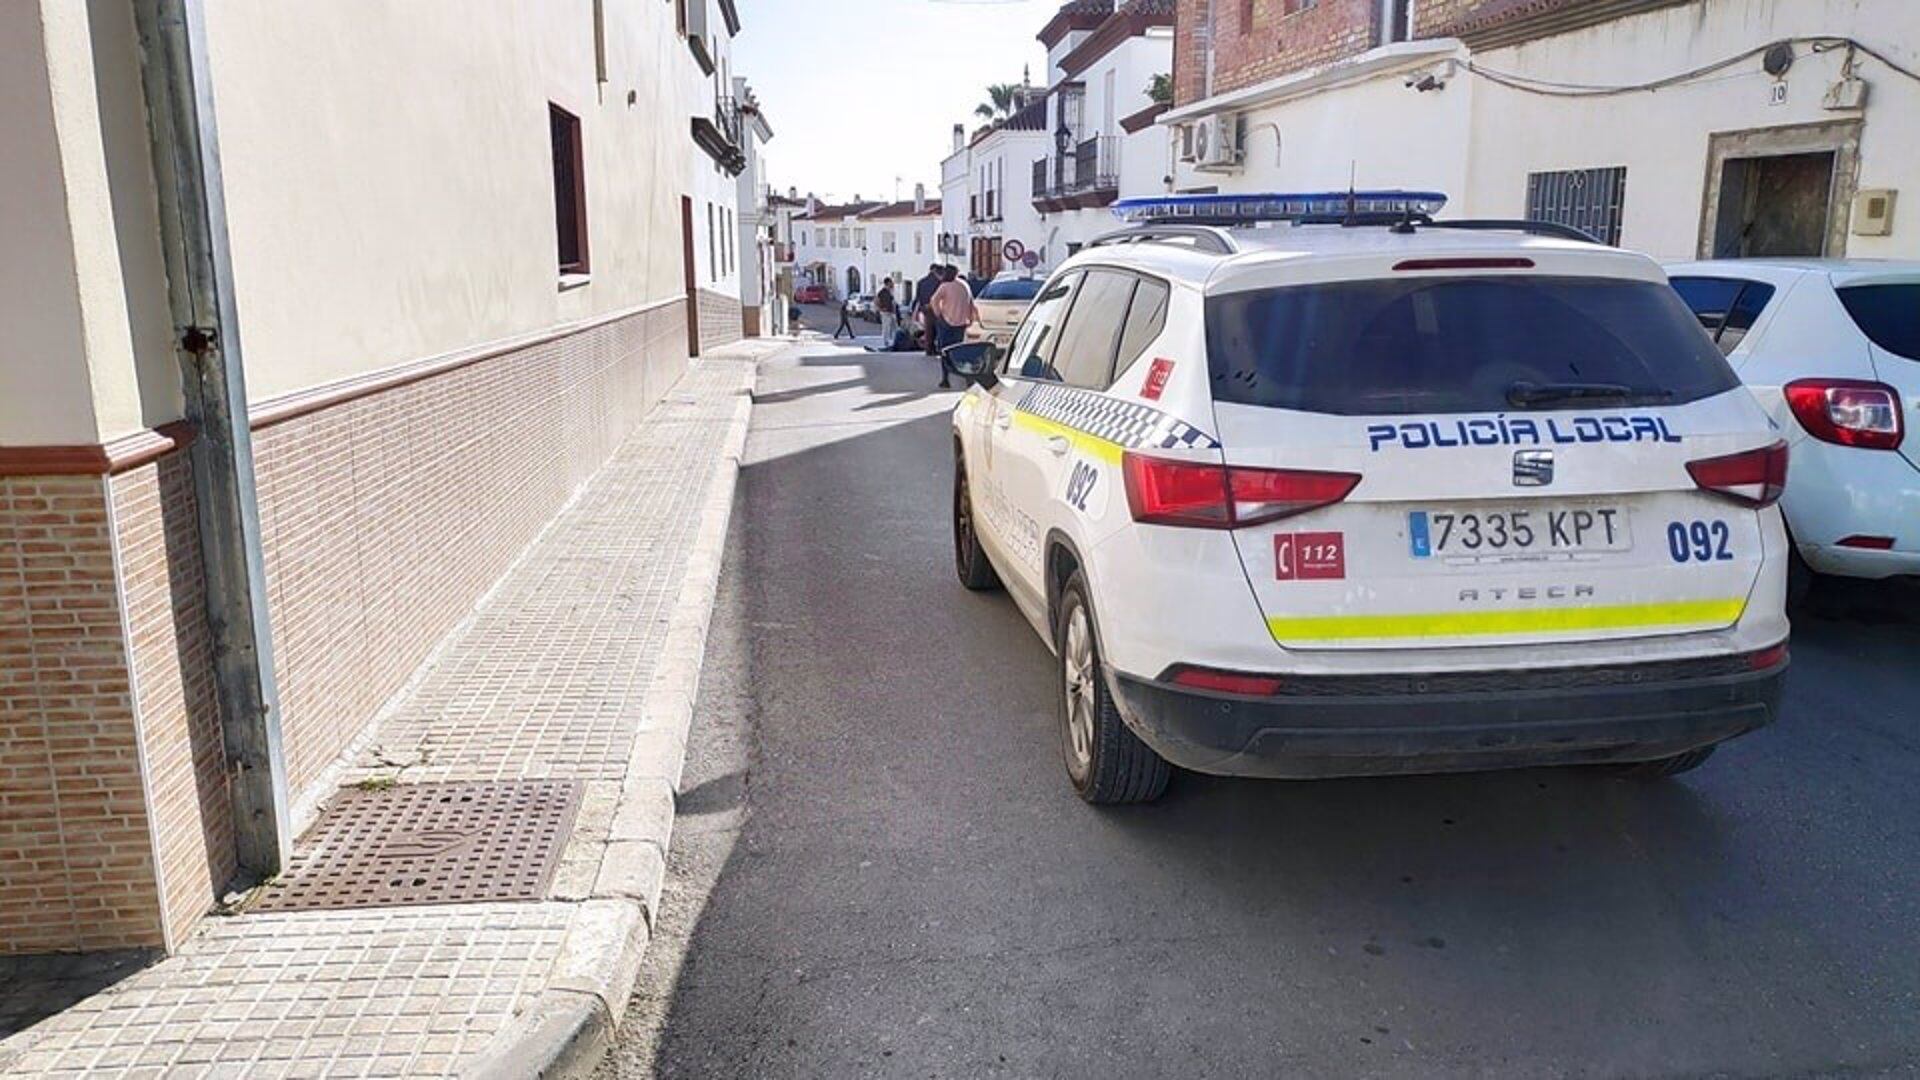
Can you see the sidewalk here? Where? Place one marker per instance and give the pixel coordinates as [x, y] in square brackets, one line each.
[580, 666]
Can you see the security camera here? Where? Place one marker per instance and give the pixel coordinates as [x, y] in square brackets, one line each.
[1424, 81]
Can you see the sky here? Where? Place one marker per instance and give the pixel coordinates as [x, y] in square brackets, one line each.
[864, 93]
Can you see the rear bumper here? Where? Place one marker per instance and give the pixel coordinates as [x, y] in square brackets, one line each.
[1455, 723]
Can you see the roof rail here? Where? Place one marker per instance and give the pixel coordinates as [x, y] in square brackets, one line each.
[1537, 228]
[1204, 237]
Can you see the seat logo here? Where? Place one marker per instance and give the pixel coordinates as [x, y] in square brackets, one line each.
[1532, 468]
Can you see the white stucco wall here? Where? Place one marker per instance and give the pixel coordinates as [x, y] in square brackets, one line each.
[1374, 132]
[87, 356]
[388, 173]
[1662, 137]
[1478, 140]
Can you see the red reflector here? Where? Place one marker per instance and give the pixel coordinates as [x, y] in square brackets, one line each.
[1161, 491]
[1768, 658]
[1752, 478]
[1464, 264]
[1226, 682]
[1848, 412]
[1870, 543]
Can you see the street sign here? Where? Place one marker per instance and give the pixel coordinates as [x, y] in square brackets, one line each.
[1014, 251]
[1030, 260]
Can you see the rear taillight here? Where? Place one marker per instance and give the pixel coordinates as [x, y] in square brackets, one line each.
[1767, 659]
[1225, 682]
[1849, 412]
[1752, 477]
[1161, 491]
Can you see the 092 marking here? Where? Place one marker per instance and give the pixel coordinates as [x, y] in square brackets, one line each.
[1080, 485]
[1700, 541]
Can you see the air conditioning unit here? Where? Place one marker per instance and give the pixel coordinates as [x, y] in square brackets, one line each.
[1216, 143]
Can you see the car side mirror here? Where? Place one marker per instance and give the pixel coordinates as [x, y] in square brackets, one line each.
[974, 361]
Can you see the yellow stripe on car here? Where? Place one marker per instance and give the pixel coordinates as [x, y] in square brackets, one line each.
[1687, 613]
[1091, 445]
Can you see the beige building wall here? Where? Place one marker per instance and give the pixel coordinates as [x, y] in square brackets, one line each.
[426, 391]
[389, 173]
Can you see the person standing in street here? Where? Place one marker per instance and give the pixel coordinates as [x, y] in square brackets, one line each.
[923, 307]
[846, 326]
[953, 308]
[884, 306]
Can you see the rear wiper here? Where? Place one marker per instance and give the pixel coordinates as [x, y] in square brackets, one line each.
[1527, 393]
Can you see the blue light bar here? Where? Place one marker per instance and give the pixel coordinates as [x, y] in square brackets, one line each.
[1278, 206]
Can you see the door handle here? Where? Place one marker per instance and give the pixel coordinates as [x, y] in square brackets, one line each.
[1059, 445]
[1003, 420]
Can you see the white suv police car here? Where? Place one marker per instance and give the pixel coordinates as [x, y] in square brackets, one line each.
[1302, 486]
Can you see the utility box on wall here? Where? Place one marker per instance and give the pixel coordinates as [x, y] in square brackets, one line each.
[1873, 212]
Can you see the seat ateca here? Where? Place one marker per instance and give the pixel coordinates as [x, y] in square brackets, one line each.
[1316, 485]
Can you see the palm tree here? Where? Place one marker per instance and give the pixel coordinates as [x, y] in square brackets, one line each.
[1000, 101]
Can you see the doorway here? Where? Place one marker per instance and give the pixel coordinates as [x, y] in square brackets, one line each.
[853, 281]
[1780, 192]
[1774, 206]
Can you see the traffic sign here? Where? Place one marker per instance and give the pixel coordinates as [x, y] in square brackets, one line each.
[1014, 251]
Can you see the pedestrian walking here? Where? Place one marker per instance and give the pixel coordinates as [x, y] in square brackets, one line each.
[846, 326]
[923, 307]
[953, 307]
[884, 306]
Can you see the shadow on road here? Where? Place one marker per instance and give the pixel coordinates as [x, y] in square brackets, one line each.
[908, 887]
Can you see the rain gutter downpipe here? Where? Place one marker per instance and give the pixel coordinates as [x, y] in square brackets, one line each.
[193, 236]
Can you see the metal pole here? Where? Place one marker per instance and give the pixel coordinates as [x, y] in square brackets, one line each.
[193, 227]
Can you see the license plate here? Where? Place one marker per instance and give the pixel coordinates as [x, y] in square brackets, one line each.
[1518, 533]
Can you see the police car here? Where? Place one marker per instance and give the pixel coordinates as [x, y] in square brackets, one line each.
[1314, 485]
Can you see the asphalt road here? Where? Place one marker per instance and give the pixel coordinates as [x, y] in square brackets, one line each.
[880, 869]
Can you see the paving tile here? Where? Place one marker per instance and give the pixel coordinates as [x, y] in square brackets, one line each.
[546, 680]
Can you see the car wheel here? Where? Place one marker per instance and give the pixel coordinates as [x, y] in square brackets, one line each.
[1106, 761]
[969, 560]
[1668, 766]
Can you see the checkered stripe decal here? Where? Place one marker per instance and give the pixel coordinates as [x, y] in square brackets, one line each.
[1126, 423]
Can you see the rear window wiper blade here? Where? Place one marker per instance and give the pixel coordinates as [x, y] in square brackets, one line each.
[1529, 393]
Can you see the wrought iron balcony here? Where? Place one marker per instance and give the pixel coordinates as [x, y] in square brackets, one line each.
[1088, 175]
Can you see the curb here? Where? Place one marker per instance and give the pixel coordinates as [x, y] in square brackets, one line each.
[571, 1025]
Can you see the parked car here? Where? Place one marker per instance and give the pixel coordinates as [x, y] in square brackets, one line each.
[1359, 498]
[1831, 347]
[1002, 304]
[810, 294]
[860, 306]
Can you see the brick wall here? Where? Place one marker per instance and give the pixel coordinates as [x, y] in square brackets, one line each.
[720, 322]
[1432, 17]
[171, 653]
[384, 518]
[74, 839]
[1279, 40]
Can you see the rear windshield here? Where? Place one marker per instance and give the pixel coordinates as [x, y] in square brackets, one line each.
[1455, 344]
[1889, 314]
[1011, 289]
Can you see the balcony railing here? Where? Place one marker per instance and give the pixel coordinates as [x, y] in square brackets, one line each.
[1087, 175]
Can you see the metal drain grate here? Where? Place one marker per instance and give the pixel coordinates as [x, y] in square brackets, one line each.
[430, 844]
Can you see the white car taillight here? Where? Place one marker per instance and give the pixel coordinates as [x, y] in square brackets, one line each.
[1847, 412]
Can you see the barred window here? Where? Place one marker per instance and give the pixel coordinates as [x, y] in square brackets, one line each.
[1588, 199]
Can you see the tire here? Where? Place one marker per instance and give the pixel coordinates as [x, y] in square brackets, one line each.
[1106, 762]
[1664, 767]
[969, 560]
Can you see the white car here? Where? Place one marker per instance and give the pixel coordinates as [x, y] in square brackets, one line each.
[1831, 347]
[1002, 304]
[1302, 499]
